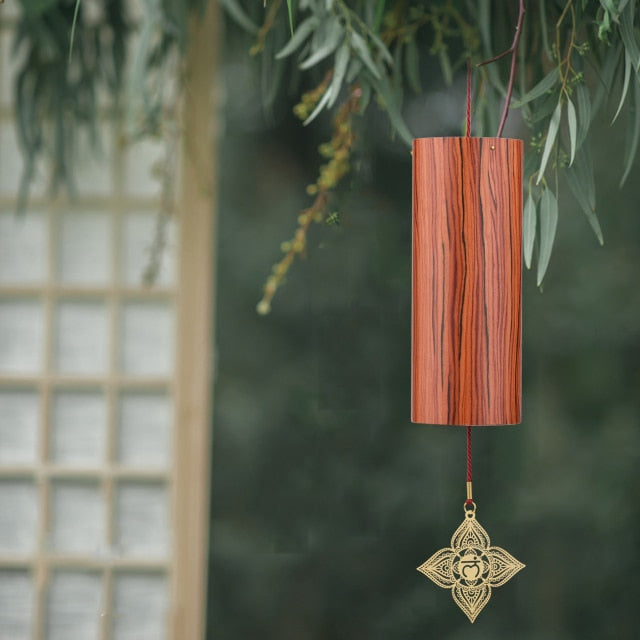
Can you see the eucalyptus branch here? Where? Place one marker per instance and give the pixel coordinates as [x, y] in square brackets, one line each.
[513, 50]
[566, 61]
[348, 40]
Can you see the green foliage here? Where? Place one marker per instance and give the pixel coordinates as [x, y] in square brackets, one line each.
[571, 57]
[70, 52]
[56, 87]
[548, 226]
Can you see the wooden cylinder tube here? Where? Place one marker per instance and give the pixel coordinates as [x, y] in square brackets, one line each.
[467, 271]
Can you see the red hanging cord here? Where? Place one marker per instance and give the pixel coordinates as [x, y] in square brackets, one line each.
[468, 97]
[469, 499]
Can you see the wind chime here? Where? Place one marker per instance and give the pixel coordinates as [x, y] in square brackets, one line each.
[466, 324]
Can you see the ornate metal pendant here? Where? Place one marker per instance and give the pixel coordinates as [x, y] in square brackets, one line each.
[471, 567]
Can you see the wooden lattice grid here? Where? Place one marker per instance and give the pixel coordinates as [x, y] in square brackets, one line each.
[102, 504]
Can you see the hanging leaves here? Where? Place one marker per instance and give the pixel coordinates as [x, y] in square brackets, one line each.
[529, 230]
[557, 102]
[574, 59]
[552, 134]
[290, 11]
[584, 109]
[299, 37]
[625, 84]
[573, 129]
[362, 51]
[628, 34]
[332, 37]
[580, 180]
[57, 82]
[548, 225]
[388, 101]
[545, 85]
[339, 71]
[631, 147]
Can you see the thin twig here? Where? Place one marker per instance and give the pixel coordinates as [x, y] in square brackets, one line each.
[266, 27]
[468, 133]
[504, 54]
[513, 50]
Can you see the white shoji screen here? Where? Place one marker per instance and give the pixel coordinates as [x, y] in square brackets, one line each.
[91, 489]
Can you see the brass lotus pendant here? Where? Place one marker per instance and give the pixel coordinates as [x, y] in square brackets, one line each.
[471, 566]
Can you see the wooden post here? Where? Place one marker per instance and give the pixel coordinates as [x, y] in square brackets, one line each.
[195, 330]
[467, 266]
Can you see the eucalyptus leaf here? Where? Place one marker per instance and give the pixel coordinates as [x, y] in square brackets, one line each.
[634, 134]
[628, 35]
[584, 169]
[290, 12]
[334, 35]
[540, 89]
[384, 91]
[580, 181]
[382, 47]
[552, 134]
[625, 83]
[301, 34]
[573, 126]
[584, 109]
[529, 229]
[353, 70]
[606, 74]
[545, 108]
[339, 71]
[326, 96]
[72, 36]
[548, 226]
[362, 51]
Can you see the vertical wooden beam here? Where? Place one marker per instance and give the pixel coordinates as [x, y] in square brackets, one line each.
[192, 441]
[467, 264]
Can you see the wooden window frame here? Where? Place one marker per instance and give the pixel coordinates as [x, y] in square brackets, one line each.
[188, 477]
[194, 366]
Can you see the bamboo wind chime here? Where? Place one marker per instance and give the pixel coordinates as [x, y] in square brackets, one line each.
[466, 323]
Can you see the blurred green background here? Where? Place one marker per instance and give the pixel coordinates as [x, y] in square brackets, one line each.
[325, 497]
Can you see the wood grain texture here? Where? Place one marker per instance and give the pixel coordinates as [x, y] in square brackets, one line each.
[196, 327]
[467, 272]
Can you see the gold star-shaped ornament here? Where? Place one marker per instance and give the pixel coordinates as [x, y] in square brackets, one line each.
[471, 566]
